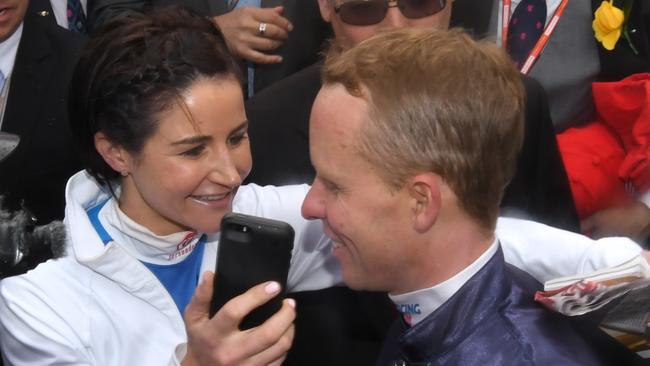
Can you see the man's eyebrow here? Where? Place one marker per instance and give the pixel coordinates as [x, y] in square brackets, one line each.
[327, 181]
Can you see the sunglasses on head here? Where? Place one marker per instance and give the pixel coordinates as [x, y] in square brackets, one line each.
[368, 12]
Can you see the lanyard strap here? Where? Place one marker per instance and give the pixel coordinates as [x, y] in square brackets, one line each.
[541, 42]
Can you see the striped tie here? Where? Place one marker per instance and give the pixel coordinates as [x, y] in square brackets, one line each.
[76, 17]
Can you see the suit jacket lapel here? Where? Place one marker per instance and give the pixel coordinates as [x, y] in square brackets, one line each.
[32, 69]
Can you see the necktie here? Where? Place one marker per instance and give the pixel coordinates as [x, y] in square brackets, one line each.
[2, 81]
[525, 28]
[76, 17]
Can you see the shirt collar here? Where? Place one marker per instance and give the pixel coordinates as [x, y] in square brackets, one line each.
[143, 244]
[417, 305]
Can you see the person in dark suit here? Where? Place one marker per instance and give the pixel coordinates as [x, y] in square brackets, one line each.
[279, 133]
[35, 108]
[291, 40]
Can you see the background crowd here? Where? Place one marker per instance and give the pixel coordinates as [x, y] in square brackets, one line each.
[584, 163]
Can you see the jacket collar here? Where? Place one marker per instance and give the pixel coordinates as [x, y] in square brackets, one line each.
[461, 315]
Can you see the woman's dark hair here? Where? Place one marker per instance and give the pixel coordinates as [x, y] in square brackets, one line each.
[133, 68]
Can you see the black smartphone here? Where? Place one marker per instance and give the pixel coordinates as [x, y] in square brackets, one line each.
[251, 250]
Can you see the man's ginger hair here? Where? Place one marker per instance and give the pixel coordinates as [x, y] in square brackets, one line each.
[439, 102]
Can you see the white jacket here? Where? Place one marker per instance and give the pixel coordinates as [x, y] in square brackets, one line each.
[101, 306]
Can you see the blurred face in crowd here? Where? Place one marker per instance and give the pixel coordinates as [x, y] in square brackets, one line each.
[12, 13]
[346, 21]
[188, 172]
[367, 220]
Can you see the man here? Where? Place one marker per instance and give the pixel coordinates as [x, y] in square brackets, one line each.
[279, 121]
[410, 168]
[276, 37]
[36, 61]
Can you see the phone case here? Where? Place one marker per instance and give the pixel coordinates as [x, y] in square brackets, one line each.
[251, 250]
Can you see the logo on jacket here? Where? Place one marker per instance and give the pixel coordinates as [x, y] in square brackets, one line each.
[184, 246]
[407, 311]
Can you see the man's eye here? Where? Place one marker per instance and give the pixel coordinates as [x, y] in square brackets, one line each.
[195, 151]
[237, 139]
[333, 188]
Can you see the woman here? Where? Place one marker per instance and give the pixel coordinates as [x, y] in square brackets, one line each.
[159, 120]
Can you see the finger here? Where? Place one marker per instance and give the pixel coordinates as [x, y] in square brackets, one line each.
[272, 16]
[232, 313]
[199, 307]
[263, 44]
[274, 32]
[260, 57]
[273, 339]
[275, 354]
[273, 328]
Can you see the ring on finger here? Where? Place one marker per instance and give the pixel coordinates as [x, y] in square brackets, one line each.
[262, 28]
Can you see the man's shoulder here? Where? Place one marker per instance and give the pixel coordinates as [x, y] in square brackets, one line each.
[544, 336]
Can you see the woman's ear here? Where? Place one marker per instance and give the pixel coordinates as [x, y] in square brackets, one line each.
[424, 189]
[114, 155]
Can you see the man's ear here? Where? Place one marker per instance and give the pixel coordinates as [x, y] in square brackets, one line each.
[326, 10]
[114, 155]
[424, 189]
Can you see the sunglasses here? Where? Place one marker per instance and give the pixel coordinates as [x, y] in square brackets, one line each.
[368, 12]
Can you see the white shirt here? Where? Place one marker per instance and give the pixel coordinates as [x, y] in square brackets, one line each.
[8, 52]
[417, 305]
[60, 9]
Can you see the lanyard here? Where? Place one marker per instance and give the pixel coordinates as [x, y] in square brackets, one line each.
[543, 39]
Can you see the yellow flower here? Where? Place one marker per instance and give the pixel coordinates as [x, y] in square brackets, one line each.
[607, 24]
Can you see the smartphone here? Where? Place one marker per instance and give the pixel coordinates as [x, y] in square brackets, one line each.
[251, 250]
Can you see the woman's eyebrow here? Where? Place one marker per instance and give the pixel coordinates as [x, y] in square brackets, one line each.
[242, 126]
[192, 140]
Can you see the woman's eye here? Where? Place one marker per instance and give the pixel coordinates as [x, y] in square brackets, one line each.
[195, 151]
[237, 139]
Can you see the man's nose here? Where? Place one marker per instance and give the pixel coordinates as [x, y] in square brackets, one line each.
[394, 17]
[313, 206]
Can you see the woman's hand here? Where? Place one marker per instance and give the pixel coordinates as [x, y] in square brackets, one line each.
[218, 341]
[246, 37]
